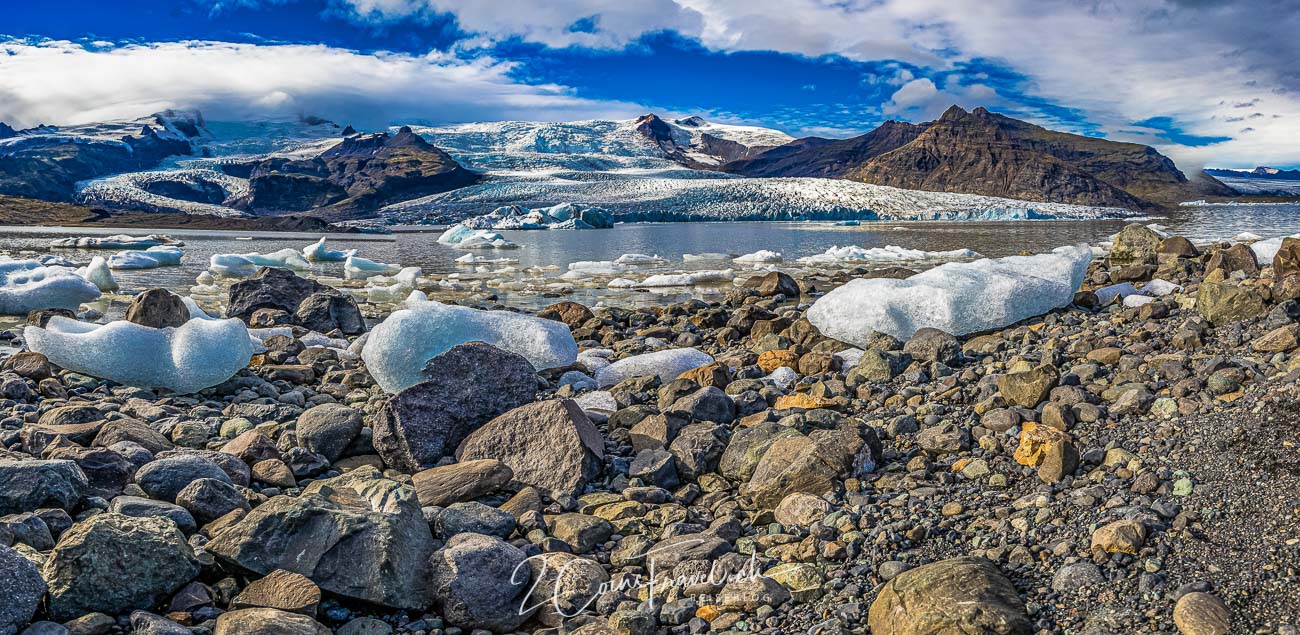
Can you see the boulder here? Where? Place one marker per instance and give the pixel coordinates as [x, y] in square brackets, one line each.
[958, 595]
[933, 345]
[112, 563]
[1029, 388]
[106, 471]
[267, 621]
[564, 585]
[470, 517]
[747, 447]
[164, 478]
[571, 313]
[1224, 302]
[22, 588]
[1134, 245]
[877, 366]
[1121, 536]
[358, 535]
[283, 590]
[29, 364]
[477, 582]
[1286, 262]
[26, 486]
[1200, 613]
[467, 480]
[550, 445]
[697, 449]
[271, 288]
[157, 308]
[774, 283]
[811, 464]
[137, 507]
[468, 385]
[328, 429]
[1238, 257]
[208, 499]
[325, 311]
[801, 510]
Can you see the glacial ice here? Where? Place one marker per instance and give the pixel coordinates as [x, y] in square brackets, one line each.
[316, 252]
[667, 365]
[888, 253]
[162, 256]
[1121, 290]
[562, 216]
[455, 234]
[392, 289]
[484, 239]
[1159, 287]
[98, 273]
[1266, 249]
[26, 286]
[783, 376]
[475, 259]
[759, 257]
[245, 265]
[688, 279]
[705, 257]
[116, 241]
[188, 358]
[959, 297]
[1137, 300]
[357, 267]
[639, 259]
[398, 348]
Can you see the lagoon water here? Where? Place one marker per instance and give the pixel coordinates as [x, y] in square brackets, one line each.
[418, 247]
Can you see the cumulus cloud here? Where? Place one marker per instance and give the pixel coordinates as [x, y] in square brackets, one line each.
[67, 83]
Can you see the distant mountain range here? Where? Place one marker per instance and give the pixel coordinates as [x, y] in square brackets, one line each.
[649, 168]
[1261, 172]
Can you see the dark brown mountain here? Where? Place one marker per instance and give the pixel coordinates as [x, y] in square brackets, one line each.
[354, 178]
[980, 152]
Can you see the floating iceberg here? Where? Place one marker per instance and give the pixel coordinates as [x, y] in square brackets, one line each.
[588, 268]
[398, 348]
[51, 260]
[98, 273]
[705, 257]
[197, 355]
[485, 240]
[455, 234]
[150, 258]
[117, 241]
[27, 285]
[888, 253]
[316, 252]
[959, 297]
[358, 267]
[667, 365]
[676, 279]
[475, 259]
[639, 259]
[245, 265]
[562, 216]
[760, 256]
[392, 290]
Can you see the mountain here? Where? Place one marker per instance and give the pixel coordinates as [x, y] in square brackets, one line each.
[980, 152]
[354, 178]
[1257, 173]
[46, 162]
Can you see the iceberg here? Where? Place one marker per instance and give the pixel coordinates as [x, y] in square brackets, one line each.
[245, 265]
[392, 290]
[666, 365]
[164, 256]
[676, 279]
[760, 256]
[398, 348]
[316, 252]
[562, 216]
[27, 285]
[98, 274]
[117, 241]
[188, 358]
[639, 259]
[483, 239]
[455, 234]
[705, 257]
[959, 297]
[475, 259]
[357, 267]
[888, 253]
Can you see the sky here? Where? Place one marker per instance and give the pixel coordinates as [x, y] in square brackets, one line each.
[1208, 82]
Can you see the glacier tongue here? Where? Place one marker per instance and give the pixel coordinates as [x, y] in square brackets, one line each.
[959, 298]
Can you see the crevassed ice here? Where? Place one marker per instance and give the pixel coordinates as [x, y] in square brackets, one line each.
[160, 256]
[27, 285]
[317, 252]
[959, 297]
[187, 358]
[666, 365]
[398, 348]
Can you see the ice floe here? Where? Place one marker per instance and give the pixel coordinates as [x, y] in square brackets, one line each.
[475, 259]
[27, 285]
[958, 297]
[116, 241]
[392, 289]
[759, 257]
[687, 279]
[161, 256]
[485, 240]
[666, 365]
[639, 259]
[398, 348]
[245, 265]
[188, 358]
[889, 253]
[355, 267]
[317, 252]
[98, 273]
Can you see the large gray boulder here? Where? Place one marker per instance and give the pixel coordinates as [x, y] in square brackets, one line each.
[112, 563]
[157, 308]
[29, 485]
[271, 288]
[21, 590]
[358, 535]
[958, 595]
[478, 582]
[164, 478]
[328, 429]
[468, 385]
[324, 312]
[550, 445]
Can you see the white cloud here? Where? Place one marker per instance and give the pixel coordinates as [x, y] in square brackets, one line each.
[65, 83]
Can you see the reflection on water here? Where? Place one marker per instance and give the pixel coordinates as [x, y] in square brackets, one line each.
[671, 241]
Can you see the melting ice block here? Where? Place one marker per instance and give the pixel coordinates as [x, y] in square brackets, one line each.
[888, 253]
[391, 290]
[27, 285]
[760, 256]
[398, 348]
[245, 265]
[116, 241]
[676, 279]
[484, 239]
[667, 365]
[316, 252]
[358, 267]
[164, 256]
[98, 273]
[959, 297]
[188, 358]
[1265, 249]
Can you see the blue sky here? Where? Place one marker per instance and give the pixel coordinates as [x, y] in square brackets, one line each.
[1147, 71]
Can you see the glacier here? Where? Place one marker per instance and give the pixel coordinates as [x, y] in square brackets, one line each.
[959, 297]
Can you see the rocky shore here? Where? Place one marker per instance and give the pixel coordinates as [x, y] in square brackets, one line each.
[1113, 466]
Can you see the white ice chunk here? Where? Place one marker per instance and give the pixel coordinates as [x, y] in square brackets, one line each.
[1246, 237]
[391, 290]
[638, 259]
[760, 256]
[191, 357]
[26, 286]
[316, 252]
[1266, 249]
[888, 253]
[705, 256]
[850, 356]
[667, 365]
[51, 260]
[245, 265]
[958, 297]
[116, 241]
[399, 347]
[1121, 290]
[475, 259]
[358, 267]
[455, 234]
[676, 279]
[164, 256]
[484, 239]
[98, 273]
[1137, 299]
[1159, 287]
